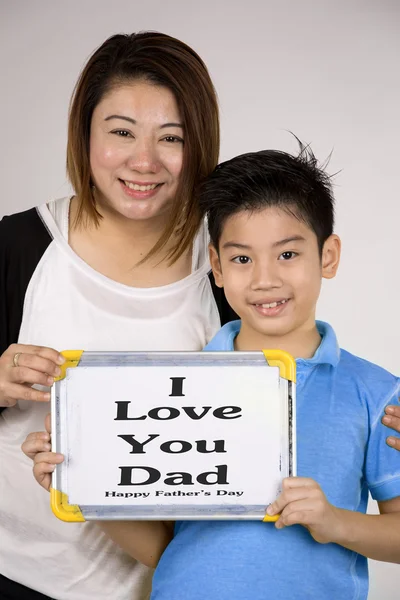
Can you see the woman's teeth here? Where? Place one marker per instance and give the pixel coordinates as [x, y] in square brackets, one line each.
[140, 188]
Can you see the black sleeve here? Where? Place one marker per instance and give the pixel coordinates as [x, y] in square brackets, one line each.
[23, 241]
[226, 313]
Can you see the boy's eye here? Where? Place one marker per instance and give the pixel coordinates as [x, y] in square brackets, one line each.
[287, 255]
[241, 260]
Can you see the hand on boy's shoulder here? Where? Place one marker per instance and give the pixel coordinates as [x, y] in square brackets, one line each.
[302, 502]
[392, 420]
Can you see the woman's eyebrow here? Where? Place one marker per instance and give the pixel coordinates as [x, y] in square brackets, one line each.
[134, 122]
[171, 125]
[121, 117]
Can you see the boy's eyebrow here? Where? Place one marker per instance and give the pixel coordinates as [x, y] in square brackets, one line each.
[236, 245]
[293, 238]
[134, 122]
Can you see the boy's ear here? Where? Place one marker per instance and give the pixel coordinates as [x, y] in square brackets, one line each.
[331, 256]
[216, 266]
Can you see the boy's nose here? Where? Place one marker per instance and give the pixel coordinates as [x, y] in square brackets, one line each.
[265, 277]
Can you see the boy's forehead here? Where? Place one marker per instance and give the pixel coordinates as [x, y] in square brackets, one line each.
[266, 226]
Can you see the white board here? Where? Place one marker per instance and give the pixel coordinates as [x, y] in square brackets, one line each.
[172, 435]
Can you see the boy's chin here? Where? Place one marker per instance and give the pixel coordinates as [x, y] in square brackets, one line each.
[272, 329]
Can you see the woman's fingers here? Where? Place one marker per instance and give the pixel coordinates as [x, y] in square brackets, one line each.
[392, 419]
[22, 366]
[17, 391]
[35, 363]
[26, 375]
[43, 352]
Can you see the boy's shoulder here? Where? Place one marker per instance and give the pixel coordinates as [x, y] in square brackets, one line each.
[223, 340]
[374, 384]
[365, 372]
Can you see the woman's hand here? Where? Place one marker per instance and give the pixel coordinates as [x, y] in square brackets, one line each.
[392, 420]
[21, 367]
[37, 447]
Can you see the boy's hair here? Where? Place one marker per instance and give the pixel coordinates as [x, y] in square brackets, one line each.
[258, 180]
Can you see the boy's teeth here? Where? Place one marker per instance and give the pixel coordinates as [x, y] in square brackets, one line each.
[273, 304]
[140, 188]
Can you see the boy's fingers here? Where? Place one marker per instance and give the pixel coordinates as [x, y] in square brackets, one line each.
[288, 497]
[47, 423]
[35, 444]
[51, 458]
[296, 512]
[293, 489]
[297, 482]
[42, 473]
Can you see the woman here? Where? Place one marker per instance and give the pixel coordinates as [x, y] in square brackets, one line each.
[392, 419]
[122, 265]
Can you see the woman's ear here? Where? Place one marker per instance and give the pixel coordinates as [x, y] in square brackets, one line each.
[216, 266]
[331, 256]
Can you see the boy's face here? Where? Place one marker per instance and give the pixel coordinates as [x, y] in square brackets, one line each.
[270, 268]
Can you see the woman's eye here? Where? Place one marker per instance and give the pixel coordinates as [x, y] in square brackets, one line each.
[241, 260]
[173, 139]
[121, 132]
[287, 255]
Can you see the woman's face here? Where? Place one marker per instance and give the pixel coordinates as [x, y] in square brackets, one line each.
[136, 150]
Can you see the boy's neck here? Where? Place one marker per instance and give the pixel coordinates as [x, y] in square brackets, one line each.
[301, 343]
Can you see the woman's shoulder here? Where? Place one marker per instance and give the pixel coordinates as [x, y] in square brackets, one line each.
[22, 230]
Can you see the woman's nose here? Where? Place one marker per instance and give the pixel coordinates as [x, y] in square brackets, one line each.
[143, 158]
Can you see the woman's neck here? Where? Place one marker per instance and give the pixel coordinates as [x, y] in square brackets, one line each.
[117, 245]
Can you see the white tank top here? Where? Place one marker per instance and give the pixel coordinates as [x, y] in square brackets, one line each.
[68, 305]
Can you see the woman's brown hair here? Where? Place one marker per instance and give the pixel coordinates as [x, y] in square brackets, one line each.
[165, 61]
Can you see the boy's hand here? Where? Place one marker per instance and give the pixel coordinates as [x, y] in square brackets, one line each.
[302, 502]
[392, 420]
[37, 447]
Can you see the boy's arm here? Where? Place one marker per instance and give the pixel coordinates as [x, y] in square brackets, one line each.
[302, 502]
[143, 540]
[374, 536]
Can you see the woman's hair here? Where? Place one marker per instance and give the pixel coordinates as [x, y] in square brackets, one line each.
[168, 62]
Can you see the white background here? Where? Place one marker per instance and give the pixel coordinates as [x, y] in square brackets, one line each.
[328, 70]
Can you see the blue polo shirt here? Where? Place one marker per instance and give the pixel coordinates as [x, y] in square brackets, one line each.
[341, 444]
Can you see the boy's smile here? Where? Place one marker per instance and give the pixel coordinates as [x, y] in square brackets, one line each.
[270, 267]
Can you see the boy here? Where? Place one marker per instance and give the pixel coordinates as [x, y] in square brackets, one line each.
[270, 218]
